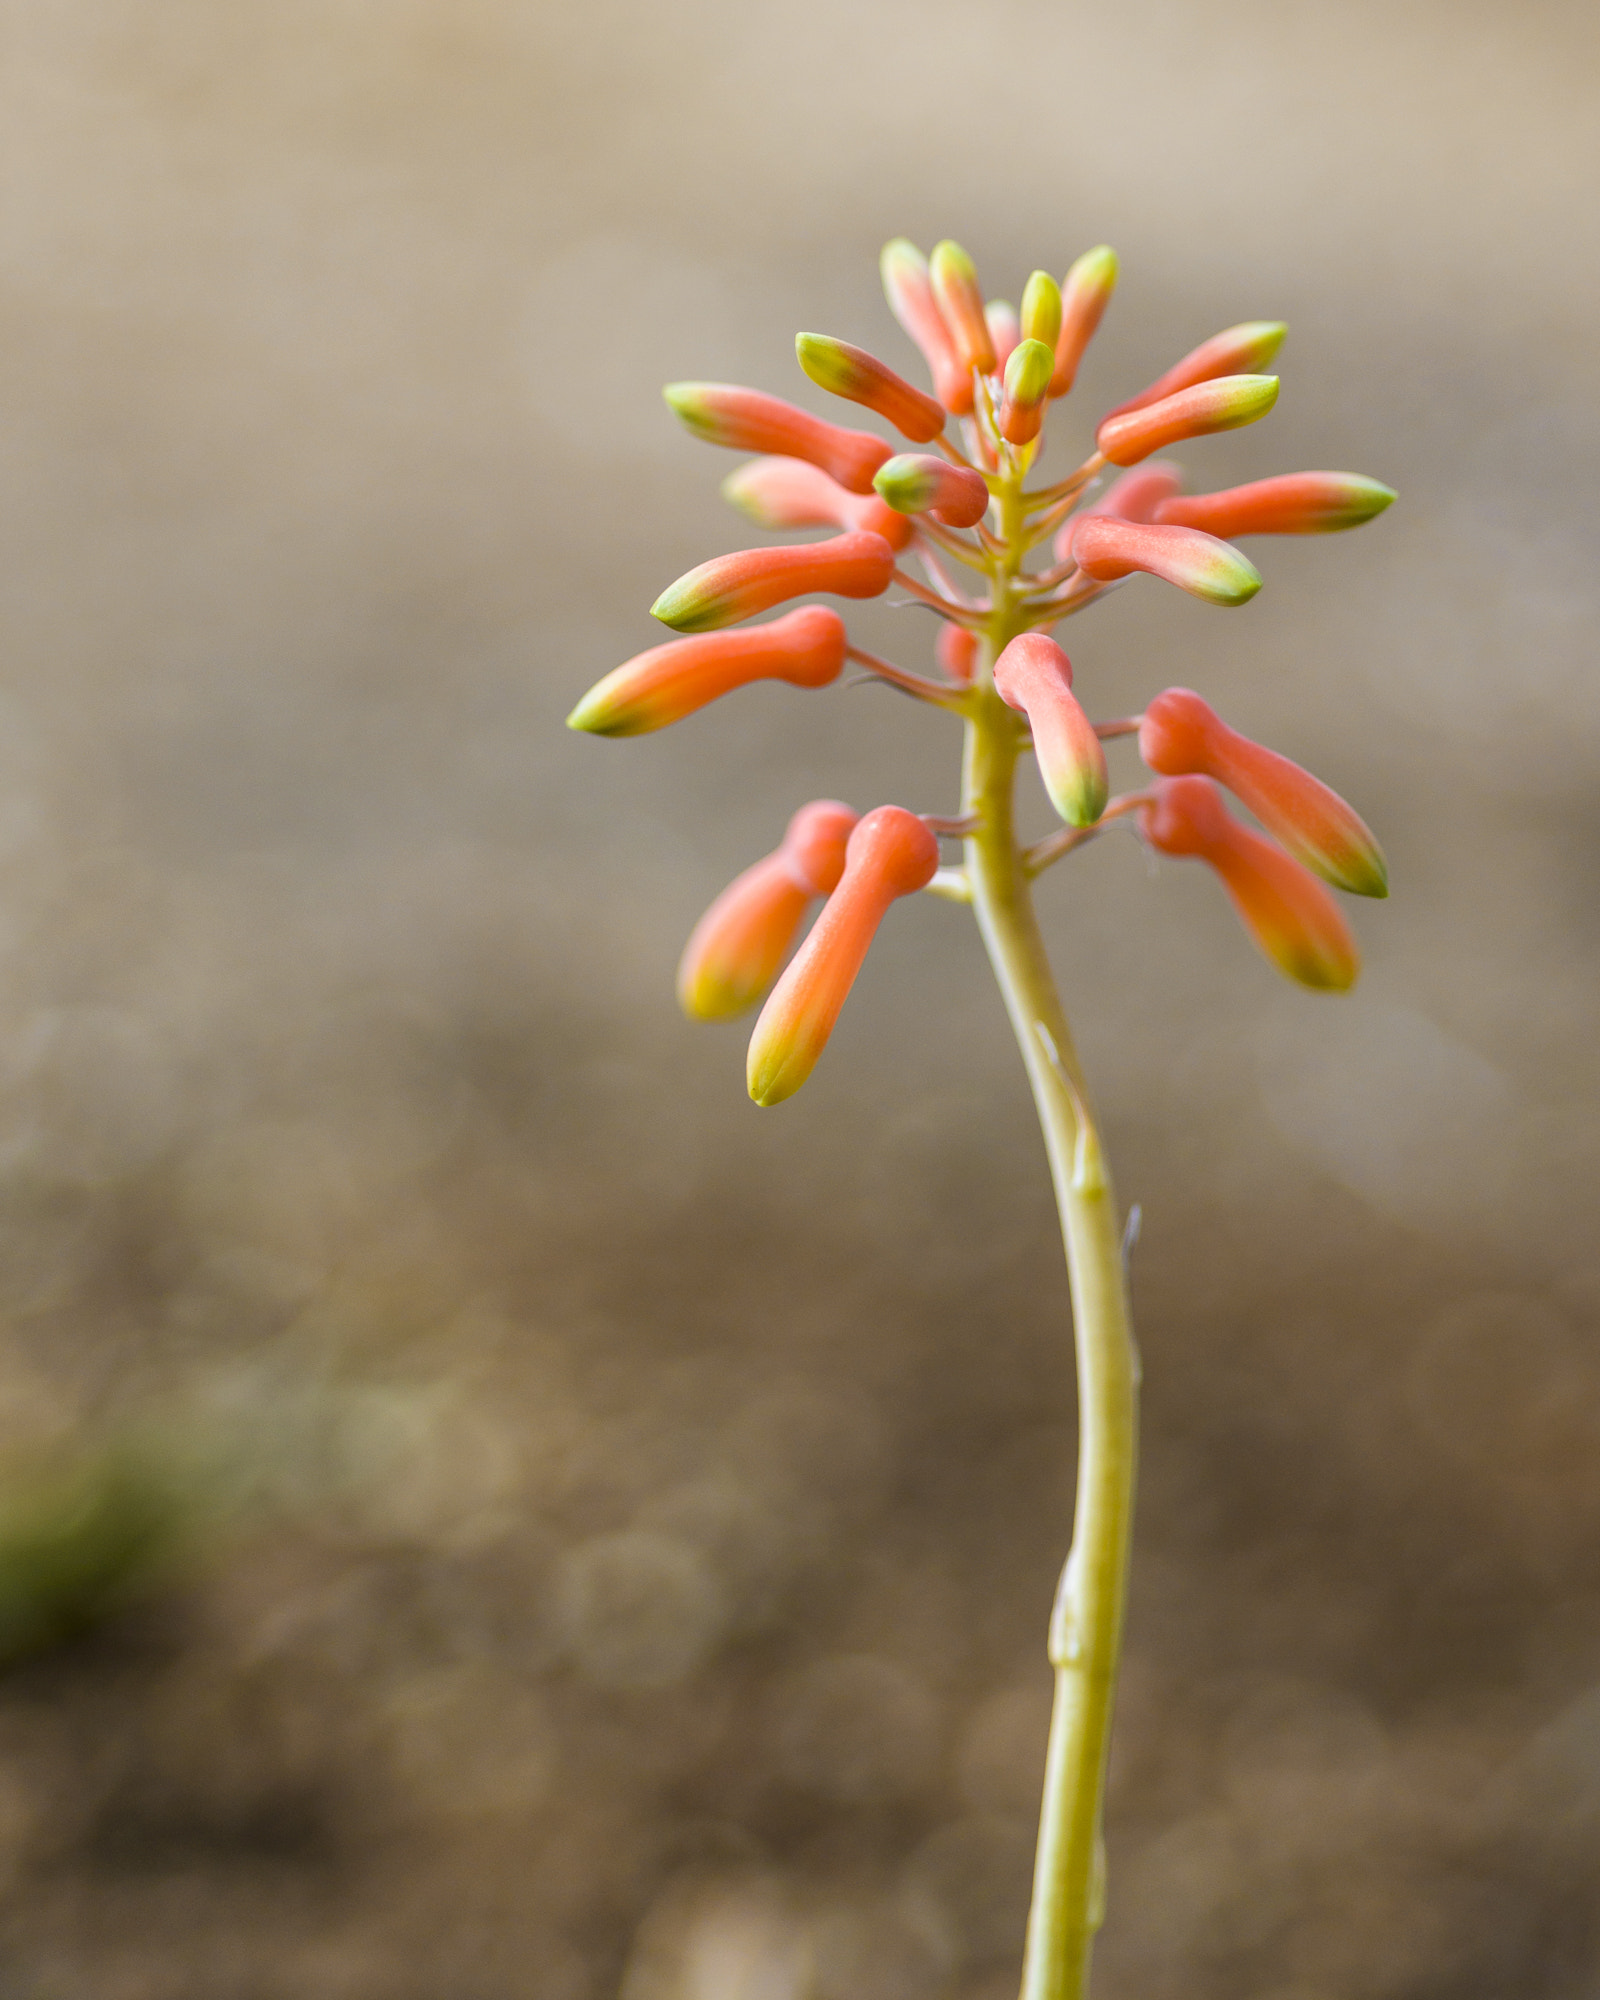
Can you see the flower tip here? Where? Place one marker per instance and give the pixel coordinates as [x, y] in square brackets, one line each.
[1085, 293]
[1106, 548]
[918, 483]
[960, 302]
[1220, 403]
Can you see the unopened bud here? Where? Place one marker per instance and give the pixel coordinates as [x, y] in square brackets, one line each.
[749, 420]
[1136, 496]
[1041, 309]
[1034, 676]
[1085, 293]
[1027, 384]
[860, 377]
[909, 289]
[919, 483]
[1240, 350]
[731, 587]
[788, 493]
[1295, 503]
[960, 302]
[1196, 562]
[1182, 735]
[1283, 906]
[735, 950]
[957, 651]
[669, 682]
[891, 853]
[1220, 405]
[1005, 329]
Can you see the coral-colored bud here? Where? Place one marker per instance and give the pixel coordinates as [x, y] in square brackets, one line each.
[960, 303]
[748, 420]
[1181, 735]
[728, 588]
[1136, 496]
[1295, 503]
[1283, 906]
[1005, 329]
[918, 483]
[1106, 549]
[957, 651]
[891, 853]
[669, 682]
[1220, 405]
[1027, 383]
[1041, 310]
[1035, 676]
[735, 950]
[909, 290]
[862, 378]
[788, 493]
[1240, 350]
[1085, 293]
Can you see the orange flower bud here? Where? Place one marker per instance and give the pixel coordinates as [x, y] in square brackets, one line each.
[788, 493]
[1241, 350]
[1041, 310]
[891, 853]
[1136, 496]
[1220, 405]
[1106, 549]
[1027, 383]
[805, 648]
[1035, 676]
[957, 651]
[1183, 735]
[918, 483]
[728, 588]
[1295, 503]
[909, 290]
[735, 950]
[960, 303]
[1085, 293]
[860, 377]
[1005, 329]
[1283, 906]
[747, 420]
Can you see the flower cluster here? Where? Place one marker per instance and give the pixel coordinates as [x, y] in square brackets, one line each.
[961, 504]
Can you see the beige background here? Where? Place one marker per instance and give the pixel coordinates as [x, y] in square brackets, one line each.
[653, 1505]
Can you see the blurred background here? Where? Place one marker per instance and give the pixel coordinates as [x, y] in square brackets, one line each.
[486, 1513]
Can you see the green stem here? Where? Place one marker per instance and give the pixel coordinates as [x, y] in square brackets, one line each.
[1086, 1624]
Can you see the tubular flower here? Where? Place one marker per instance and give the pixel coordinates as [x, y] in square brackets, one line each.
[909, 289]
[1106, 548]
[890, 854]
[750, 421]
[788, 493]
[960, 303]
[918, 483]
[1034, 676]
[958, 652]
[728, 588]
[1241, 350]
[1136, 496]
[805, 648]
[1085, 293]
[1220, 405]
[1041, 311]
[1024, 387]
[1283, 906]
[735, 950]
[1005, 329]
[1294, 503]
[1181, 735]
[860, 377]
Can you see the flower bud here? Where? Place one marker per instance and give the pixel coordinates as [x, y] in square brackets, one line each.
[1283, 906]
[1041, 310]
[728, 588]
[750, 421]
[788, 493]
[1220, 405]
[1134, 497]
[1027, 383]
[1295, 503]
[1085, 293]
[918, 483]
[1005, 329]
[669, 682]
[1241, 350]
[860, 377]
[735, 950]
[960, 303]
[909, 290]
[957, 652]
[1106, 549]
[891, 853]
[1181, 735]
[1035, 676]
